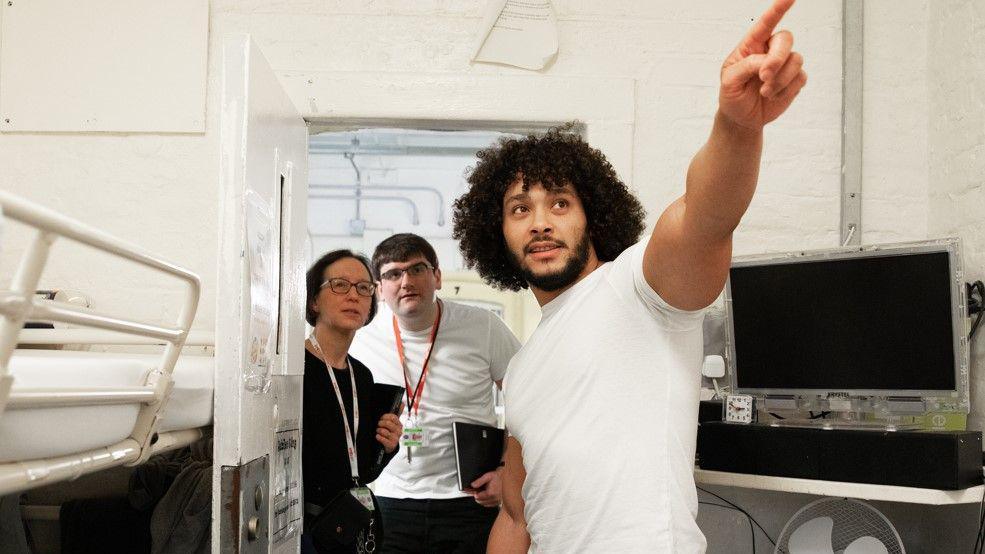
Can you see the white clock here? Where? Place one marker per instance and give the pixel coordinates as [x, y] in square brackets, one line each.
[740, 408]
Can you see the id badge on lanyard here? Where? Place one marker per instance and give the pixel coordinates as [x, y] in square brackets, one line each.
[414, 432]
[363, 495]
[415, 435]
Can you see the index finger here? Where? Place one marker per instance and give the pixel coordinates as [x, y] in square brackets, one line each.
[481, 481]
[762, 29]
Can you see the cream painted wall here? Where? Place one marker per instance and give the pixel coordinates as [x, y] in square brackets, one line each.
[895, 131]
[642, 75]
[156, 191]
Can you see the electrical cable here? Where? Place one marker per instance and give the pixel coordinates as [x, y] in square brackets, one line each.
[980, 536]
[752, 532]
[851, 233]
[978, 307]
[980, 539]
[706, 491]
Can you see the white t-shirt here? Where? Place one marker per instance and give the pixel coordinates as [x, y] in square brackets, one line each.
[603, 399]
[472, 350]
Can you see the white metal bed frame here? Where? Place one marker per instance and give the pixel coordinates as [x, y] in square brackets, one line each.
[19, 304]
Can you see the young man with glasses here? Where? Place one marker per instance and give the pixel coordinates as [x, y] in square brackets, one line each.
[448, 356]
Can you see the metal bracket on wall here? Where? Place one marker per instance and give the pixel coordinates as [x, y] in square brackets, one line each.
[853, 25]
[245, 507]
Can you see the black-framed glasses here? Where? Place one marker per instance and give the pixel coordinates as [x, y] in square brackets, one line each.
[415, 270]
[339, 285]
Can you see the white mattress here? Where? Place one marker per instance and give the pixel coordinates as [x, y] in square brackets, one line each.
[27, 434]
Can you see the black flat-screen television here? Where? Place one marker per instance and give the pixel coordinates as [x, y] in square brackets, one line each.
[882, 320]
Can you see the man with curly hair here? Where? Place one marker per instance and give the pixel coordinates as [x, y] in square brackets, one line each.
[619, 345]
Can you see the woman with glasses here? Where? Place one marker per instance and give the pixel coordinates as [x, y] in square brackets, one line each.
[339, 443]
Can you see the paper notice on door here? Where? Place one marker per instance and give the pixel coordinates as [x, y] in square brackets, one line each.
[285, 486]
[262, 257]
[522, 33]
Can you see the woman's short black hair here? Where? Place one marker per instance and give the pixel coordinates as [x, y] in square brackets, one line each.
[400, 248]
[316, 276]
[555, 159]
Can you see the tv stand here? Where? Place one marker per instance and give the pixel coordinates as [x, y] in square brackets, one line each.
[920, 459]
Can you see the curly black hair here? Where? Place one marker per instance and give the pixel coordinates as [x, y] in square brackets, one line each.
[554, 159]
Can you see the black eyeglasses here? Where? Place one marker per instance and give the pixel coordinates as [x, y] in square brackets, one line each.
[415, 270]
[339, 285]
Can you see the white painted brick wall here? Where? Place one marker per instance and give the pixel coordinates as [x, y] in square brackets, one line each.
[158, 192]
[411, 60]
[895, 186]
[641, 75]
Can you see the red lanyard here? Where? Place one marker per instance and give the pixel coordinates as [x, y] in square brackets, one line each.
[414, 395]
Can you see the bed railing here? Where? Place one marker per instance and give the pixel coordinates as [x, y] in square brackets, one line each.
[19, 304]
[37, 337]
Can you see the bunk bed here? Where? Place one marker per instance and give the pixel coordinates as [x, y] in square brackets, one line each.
[68, 413]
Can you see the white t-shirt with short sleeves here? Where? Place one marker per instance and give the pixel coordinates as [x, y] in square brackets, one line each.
[603, 399]
[471, 352]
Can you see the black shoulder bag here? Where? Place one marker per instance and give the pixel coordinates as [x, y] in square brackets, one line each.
[344, 522]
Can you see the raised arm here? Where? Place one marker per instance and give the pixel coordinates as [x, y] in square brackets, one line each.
[688, 256]
[509, 532]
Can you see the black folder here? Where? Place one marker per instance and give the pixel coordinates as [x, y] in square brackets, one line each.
[386, 399]
[478, 449]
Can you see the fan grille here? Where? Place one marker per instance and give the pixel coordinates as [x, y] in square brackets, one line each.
[852, 519]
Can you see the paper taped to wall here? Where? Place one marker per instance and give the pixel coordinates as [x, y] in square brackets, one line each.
[522, 33]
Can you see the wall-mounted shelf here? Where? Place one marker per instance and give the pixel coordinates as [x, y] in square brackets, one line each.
[862, 491]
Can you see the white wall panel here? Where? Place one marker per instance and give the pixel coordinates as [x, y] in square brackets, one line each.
[114, 65]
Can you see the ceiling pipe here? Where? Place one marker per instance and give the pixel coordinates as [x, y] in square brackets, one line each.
[415, 217]
[436, 192]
